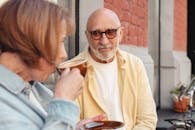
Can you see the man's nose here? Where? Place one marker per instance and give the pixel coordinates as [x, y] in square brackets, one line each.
[104, 39]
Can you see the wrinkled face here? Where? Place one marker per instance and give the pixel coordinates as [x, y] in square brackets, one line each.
[61, 55]
[46, 69]
[104, 33]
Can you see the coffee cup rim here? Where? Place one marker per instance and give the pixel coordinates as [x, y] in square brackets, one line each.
[67, 64]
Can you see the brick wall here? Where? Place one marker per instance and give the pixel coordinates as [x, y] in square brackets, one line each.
[134, 18]
[180, 25]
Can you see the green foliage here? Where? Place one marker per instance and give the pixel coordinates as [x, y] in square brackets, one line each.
[179, 89]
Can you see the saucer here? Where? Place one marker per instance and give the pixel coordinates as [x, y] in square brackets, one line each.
[99, 125]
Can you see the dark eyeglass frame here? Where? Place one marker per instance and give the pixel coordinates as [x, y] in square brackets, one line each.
[110, 33]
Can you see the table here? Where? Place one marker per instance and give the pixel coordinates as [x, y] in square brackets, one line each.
[170, 114]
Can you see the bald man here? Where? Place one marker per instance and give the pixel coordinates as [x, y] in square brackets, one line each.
[116, 83]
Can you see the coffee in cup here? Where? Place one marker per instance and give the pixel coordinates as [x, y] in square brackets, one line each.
[79, 63]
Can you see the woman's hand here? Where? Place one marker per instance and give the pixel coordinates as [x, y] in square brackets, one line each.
[81, 123]
[69, 85]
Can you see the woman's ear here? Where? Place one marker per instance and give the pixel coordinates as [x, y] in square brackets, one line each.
[42, 64]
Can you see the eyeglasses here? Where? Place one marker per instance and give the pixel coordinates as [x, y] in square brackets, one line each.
[110, 34]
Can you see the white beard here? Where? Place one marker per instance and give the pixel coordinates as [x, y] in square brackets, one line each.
[102, 57]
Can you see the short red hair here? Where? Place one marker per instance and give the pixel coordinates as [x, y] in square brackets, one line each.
[31, 29]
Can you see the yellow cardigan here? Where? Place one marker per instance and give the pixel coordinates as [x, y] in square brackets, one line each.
[138, 106]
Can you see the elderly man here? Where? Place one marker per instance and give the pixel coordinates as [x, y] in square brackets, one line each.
[116, 82]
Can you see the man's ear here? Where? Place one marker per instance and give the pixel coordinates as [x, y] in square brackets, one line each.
[121, 33]
[87, 34]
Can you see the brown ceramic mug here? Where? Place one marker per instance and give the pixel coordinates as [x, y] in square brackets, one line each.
[79, 63]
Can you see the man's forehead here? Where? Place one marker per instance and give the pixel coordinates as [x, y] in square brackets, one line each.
[103, 19]
[99, 24]
[102, 28]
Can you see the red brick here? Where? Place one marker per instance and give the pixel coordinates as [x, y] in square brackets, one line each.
[134, 17]
[180, 25]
